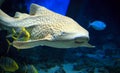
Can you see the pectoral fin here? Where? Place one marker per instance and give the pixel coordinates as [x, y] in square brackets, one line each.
[31, 43]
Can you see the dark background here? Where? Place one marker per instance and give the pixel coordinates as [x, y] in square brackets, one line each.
[107, 41]
[85, 11]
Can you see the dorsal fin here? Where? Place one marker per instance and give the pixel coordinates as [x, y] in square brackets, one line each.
[21, 15]
[39, 10]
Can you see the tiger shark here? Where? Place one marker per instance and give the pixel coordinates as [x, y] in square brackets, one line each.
[45, 28]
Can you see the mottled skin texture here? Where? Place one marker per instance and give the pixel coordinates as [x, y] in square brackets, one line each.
[45, 25]
[55, 27]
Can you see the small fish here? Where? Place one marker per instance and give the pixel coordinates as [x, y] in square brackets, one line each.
[8, 64]
[46, 28]
[21, 35]
[97, 25]
[28, 69]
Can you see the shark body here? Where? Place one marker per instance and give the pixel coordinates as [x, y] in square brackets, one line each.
[46, 28]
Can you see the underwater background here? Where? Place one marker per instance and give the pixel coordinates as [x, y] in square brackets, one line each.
[99, 17]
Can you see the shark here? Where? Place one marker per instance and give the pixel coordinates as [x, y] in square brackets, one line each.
[45, 28]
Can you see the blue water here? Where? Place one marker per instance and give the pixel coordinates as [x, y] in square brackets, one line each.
[59, 6]
[105, 57]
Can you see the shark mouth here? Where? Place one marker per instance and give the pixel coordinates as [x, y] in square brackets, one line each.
[81, 40]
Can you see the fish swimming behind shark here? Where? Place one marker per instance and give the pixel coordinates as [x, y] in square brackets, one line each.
[46, 28]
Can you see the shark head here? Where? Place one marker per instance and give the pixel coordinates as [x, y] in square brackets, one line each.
[70, 40]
